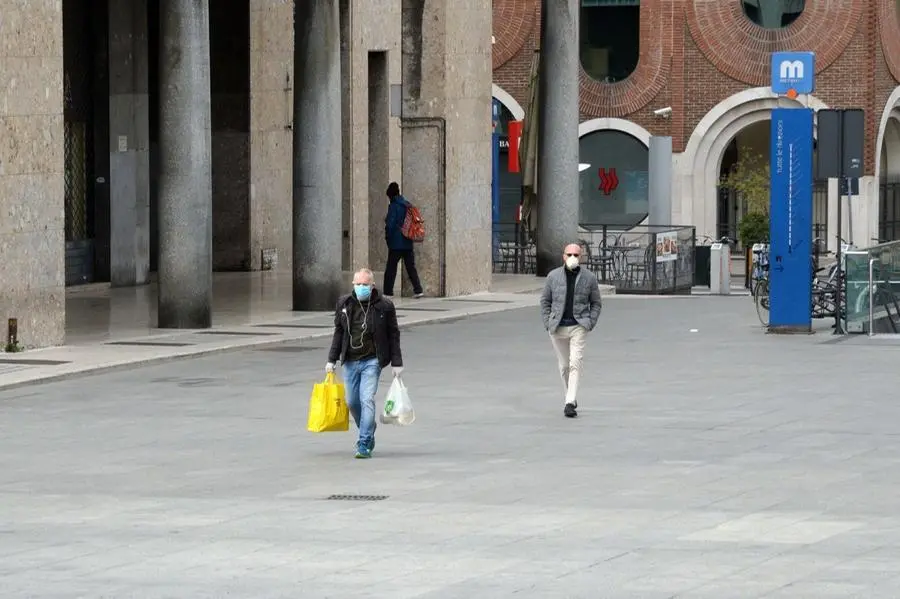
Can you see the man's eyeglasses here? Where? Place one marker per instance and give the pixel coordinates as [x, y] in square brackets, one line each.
[573, 255]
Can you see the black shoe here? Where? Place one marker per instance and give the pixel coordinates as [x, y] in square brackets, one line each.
[569, 410]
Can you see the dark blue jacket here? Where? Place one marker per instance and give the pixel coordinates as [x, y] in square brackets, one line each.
[393, 222]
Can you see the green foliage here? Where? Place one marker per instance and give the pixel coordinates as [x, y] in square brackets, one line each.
[750, 179]
[754, 228]
[14, 347]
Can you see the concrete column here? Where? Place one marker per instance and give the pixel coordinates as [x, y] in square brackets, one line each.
[129, 144]
[185, 184]
[317, 190]
[558, 191]
[660, 181]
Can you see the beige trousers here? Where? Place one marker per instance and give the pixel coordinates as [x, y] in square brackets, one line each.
[569, 344]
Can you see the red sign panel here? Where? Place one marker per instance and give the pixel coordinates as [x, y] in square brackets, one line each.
[608, 181]
[515, 134]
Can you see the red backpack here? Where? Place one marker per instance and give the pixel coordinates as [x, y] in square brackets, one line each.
[413, 227]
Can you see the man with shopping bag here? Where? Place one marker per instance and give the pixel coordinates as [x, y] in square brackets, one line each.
[570, 309]
[366, 339]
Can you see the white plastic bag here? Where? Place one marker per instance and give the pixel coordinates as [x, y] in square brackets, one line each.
[398, 408]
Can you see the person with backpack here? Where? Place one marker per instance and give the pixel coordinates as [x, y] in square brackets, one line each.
[400, 231]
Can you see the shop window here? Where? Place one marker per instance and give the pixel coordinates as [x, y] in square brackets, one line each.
[613, 182]
[773, 14]
[610, 38]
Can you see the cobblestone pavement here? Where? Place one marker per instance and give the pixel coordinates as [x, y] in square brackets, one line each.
[719, 464]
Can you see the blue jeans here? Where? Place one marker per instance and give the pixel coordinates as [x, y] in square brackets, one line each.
[361, 382]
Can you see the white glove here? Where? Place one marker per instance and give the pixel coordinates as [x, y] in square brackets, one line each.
[398, 370]
[329, 368]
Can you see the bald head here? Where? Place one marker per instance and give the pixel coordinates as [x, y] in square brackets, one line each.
[363, 276]
[572, 255]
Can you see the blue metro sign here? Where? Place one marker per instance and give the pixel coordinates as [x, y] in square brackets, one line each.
[793, 73]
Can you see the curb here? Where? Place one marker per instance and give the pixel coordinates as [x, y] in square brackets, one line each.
[204, 352]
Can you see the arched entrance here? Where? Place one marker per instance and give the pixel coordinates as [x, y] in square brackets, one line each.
[701, 162]
[887, 170]
[744, 170]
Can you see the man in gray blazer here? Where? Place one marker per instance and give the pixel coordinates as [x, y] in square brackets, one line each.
[570, 308]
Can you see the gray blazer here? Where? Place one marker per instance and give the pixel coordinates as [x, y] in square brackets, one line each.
[586, 304]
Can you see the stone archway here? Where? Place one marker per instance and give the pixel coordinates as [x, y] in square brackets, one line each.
[614, 124]
[700, 163]
[505, 98]
[887, 145]
[886, 214]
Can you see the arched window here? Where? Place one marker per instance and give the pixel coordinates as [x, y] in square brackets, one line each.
[614, 180]
[773, 14]
[610, 38]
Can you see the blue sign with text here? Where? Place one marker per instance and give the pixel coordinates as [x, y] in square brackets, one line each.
[793, 72]
[790, 219]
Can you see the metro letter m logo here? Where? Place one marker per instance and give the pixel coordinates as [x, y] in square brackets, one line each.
[791, 69]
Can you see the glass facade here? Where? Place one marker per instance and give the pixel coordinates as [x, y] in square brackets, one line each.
[613, 184]
[773, 14]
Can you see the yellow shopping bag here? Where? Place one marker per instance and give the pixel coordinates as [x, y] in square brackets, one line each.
[328, 410]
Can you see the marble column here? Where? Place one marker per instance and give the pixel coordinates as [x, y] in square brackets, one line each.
[558, 190]
[317, 185]
[185, 184]
[129, 144]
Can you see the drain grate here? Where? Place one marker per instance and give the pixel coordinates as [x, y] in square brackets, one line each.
[29, 362]
[476, 301]
[296, 326]
[291, 348]
[357, 497]
[239, 333]
[150, 343]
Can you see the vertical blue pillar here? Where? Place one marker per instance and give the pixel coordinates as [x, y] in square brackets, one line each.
[790, 220]
[495, 180]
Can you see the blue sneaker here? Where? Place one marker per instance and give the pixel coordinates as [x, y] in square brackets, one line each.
[363, 453]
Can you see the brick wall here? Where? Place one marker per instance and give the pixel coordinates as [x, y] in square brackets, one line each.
[696, 53]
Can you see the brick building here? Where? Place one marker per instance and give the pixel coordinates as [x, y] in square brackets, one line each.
[710, 62]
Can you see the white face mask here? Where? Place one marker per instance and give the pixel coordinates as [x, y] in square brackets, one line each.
[572, 262]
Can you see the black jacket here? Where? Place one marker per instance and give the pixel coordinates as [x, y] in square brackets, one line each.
[382, 320]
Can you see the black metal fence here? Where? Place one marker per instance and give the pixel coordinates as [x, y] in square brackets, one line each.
[514, 250]
[641, 260]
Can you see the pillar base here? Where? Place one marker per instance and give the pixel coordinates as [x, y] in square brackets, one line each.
[179, 314]
[318, 296]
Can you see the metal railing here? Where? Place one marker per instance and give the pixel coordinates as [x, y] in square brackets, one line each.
[643, 259]
[872, 291]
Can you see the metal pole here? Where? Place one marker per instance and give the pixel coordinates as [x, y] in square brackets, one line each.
[872, 297]
[839, 280]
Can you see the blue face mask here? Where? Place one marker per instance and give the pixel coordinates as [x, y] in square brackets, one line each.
[363, 292]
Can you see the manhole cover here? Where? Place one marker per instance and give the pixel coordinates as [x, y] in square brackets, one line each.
[357, 497]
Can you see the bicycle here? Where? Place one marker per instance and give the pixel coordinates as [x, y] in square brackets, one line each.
[823, 300]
